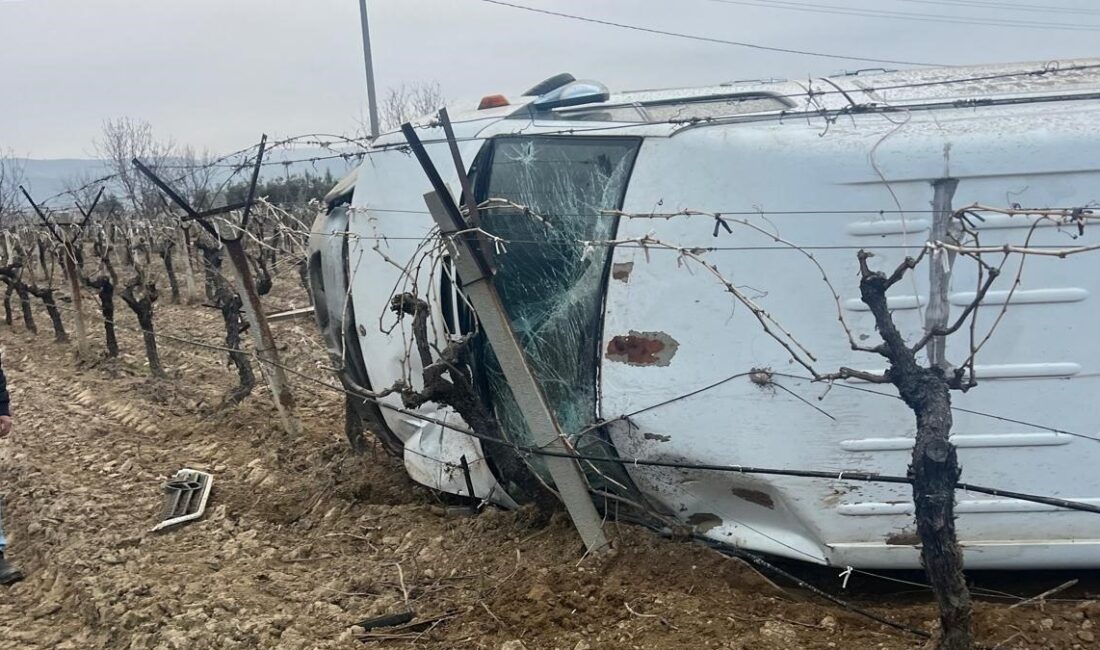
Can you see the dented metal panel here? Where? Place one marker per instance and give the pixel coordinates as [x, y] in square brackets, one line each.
[669, 367]
[386, 222]
[800, 184]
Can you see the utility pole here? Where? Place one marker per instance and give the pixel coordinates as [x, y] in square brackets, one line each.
[372, 102]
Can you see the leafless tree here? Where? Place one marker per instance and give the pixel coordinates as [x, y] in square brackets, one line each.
[934, 468]
[11, 177]
[45, 293]
[12, 275]
[104, 281]
[54, 250]
[198, 180]
[228, 302]
[124, 139]
[138, 288]
[409, 101]
[140, 293]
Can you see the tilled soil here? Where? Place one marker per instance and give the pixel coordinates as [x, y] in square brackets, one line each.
[303, 539]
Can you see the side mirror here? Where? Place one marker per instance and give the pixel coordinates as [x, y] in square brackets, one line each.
[573, 93]
[551, 83]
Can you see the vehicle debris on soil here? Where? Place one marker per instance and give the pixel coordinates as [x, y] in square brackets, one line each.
[185, 497]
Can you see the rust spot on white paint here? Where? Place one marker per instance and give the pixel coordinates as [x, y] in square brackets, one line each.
[903, 538]
[621, 271]
[642, 349]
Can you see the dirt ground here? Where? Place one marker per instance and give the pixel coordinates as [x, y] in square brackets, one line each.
[303, 539]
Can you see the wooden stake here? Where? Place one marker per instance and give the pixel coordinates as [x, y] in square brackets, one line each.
[78, 300]
[261, 336]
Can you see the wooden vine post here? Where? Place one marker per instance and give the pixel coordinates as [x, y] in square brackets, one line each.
[71, 242]
[67, 236]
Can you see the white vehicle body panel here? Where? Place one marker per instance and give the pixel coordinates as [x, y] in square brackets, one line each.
[386, 231]
[861, 180]
[1038, 365]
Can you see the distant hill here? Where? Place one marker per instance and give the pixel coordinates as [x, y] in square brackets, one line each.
[47, 177]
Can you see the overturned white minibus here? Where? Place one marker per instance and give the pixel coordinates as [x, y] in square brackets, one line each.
[614, 223]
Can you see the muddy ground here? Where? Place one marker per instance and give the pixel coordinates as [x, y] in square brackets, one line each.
[303, 539]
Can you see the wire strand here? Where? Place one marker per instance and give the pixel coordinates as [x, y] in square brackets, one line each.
[707, 39]
[637, 462]
[820, 8]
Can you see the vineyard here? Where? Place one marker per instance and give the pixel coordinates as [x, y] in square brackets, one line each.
[132, 353]
[305, 538]
[733, 324]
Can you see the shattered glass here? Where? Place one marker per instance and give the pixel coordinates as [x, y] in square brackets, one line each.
[550, 284]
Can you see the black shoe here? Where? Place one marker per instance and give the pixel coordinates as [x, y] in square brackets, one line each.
[9, 573]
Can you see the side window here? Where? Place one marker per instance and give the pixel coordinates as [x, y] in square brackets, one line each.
[545, 197]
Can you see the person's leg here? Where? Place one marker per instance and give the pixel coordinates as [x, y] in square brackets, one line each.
[9, 574]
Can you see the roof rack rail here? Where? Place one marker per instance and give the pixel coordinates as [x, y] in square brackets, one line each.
[856, 73]
[764, 80]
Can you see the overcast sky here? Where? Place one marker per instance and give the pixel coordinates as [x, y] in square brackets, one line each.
[217, 73]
